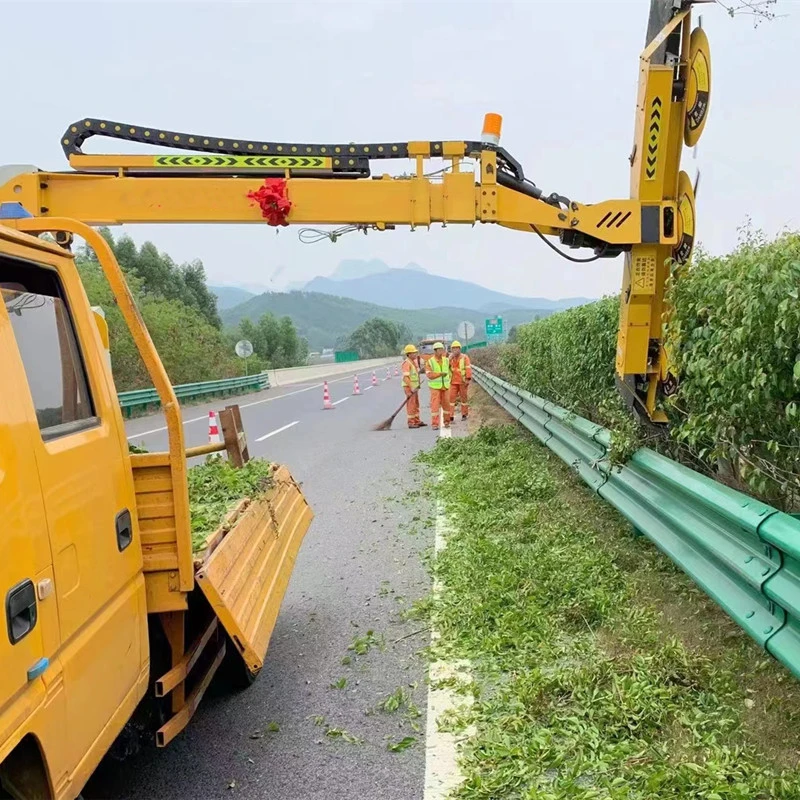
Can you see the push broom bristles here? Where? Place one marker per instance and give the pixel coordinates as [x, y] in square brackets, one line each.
[387, 423]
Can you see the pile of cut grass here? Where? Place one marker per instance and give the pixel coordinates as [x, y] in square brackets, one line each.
[584, 689]
[215, 488]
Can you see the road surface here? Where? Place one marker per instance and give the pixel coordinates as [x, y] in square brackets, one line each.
[358, 569]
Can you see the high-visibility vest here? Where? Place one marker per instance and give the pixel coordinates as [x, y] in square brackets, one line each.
[443, 381]
[410, 374]
[461, 369]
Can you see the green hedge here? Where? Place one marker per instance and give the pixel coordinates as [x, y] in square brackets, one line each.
[569, 358]
[735, 339]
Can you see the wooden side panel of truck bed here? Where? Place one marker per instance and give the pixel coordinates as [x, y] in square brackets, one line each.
[245, 577]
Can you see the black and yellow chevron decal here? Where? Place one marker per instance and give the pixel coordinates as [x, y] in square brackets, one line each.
[245, 162]
[653, 139]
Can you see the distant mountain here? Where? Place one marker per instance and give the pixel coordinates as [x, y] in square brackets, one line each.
[230, 296]
[409, 288]
[354, 268]
[324, 318]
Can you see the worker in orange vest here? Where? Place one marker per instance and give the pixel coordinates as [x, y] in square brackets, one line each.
[410, 371]
[461, 367]
[437, 369]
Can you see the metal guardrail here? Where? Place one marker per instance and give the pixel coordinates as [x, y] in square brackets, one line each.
[146, 399]
[743, 553]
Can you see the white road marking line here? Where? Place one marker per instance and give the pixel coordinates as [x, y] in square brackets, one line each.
[278, 430]
[442, 773]
[368, 387]
[444, 433]
[241, 405]
[340, 401]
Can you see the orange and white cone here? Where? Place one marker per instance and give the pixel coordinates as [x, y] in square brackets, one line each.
[374, 379]
[356, 389]
[396, 371]
[326, 397]
[213, 428]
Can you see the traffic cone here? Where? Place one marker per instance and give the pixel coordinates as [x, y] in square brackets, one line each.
[396, 371]
[388, 373]
[356, 389]
[374, 379]
[326, 397]
[213, 428]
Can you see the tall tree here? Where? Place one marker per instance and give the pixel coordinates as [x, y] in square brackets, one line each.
[379, 337]
[160, 276]
[177, 308]
[275, 341]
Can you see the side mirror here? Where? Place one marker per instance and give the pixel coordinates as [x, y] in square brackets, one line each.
[102, 327]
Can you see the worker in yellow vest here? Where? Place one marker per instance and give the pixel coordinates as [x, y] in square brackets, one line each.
[438, 371]
[461, 367]
[410, 371]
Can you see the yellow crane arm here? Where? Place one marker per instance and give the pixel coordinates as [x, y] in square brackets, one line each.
[475, 184]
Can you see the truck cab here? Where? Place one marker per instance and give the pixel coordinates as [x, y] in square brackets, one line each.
[107, 601]
[75, 651]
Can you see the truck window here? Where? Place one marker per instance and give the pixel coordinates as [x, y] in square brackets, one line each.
[45, 335]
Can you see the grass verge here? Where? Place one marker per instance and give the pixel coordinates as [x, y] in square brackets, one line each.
[599, 671]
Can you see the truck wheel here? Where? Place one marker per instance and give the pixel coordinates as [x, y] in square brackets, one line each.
[233, 674]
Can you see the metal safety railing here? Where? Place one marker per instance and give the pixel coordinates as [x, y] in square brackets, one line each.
[743, 553]
[147, 399]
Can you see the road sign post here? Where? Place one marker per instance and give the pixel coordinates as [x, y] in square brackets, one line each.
[465, 331]
[244, 349]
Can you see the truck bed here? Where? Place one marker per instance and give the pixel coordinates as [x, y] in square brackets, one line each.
[244, 569]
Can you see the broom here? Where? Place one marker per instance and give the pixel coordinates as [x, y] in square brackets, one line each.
[387, 423]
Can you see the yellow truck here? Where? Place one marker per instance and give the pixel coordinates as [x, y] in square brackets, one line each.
[105, 603]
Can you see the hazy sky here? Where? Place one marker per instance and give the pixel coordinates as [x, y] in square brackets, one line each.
[562, 72]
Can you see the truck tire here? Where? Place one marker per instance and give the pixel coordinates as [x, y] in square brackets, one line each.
[233, 674]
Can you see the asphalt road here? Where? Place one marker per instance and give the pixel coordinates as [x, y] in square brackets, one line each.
[358, 569]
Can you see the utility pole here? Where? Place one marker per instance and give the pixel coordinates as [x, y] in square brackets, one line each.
[661, 12]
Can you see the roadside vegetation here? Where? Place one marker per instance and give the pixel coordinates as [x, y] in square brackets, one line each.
[377, 338]
[734, 338]
[325, 319]
[598, 669]
[276, 343]
[181, 314]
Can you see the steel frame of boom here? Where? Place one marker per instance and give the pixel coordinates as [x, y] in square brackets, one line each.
[642, 364]
[207, 188]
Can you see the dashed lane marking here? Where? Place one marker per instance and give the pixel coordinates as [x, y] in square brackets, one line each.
[241, 405]
[278, 430]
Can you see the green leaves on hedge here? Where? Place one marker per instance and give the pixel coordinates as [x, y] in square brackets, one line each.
[734, 338]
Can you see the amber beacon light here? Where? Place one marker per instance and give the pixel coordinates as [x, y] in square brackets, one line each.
[492, 125]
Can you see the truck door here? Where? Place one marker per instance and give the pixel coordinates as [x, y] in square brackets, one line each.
[31, 685]
[87, 489]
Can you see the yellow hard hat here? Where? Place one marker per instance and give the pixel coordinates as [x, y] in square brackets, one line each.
[409, 348]
[438, 346]
[455, 344]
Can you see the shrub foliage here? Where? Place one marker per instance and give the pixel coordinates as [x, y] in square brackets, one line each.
[734, 337]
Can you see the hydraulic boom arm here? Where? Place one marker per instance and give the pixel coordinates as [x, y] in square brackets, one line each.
[324, 185]
[227, 180]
